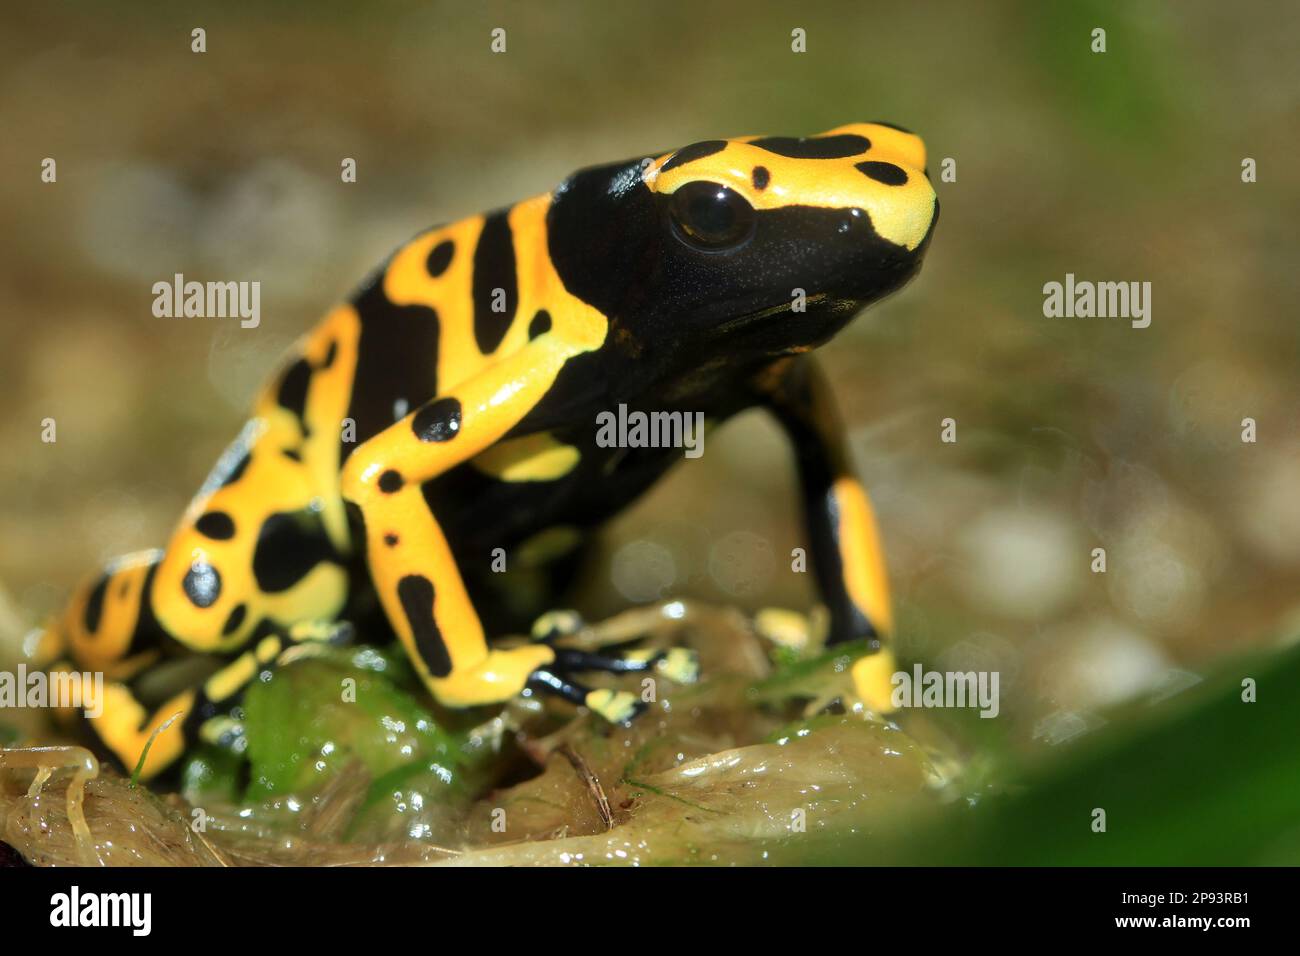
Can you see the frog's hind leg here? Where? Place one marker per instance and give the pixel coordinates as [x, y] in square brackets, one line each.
[209, 717]
[263, 544]
[128, 728]
[109, 628]
[108, 637]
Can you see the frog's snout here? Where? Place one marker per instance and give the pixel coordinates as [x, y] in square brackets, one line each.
[885, 240]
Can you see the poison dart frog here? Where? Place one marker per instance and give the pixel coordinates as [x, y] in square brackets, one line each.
[448, 409]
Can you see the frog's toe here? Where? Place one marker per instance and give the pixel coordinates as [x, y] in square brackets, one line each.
[873, 681]
[677, 664]
[556, 624]
[332, 633]
[616, 706]
[680, 665]
[784, 628]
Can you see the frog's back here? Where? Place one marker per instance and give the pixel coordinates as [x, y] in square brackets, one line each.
[446, 304]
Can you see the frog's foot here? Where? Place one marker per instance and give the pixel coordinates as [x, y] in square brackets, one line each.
[658, 623]
[681, 665]
[556, 624]
[615, 706]
[225, 732]
[678, 664]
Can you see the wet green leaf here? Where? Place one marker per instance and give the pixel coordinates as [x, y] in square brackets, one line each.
[314, 718]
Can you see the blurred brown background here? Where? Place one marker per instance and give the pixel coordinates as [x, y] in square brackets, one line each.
[1072, 433]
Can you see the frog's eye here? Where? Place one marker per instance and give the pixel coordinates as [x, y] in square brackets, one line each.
[711, 217]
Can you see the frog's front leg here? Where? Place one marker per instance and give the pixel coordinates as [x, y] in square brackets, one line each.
[848, 560]
[410, 561]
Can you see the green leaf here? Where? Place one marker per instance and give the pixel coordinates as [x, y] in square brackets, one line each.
[302, 728]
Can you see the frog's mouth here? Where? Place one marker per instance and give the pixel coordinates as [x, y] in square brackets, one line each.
[780, 330]
[749, 318]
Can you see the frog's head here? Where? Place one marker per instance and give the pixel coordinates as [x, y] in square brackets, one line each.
[708, 246]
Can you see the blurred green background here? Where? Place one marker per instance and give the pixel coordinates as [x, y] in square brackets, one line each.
[1072, 433]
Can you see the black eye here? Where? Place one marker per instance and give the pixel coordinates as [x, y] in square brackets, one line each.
[711, 217]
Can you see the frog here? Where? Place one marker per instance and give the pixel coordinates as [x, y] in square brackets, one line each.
[442, 422]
